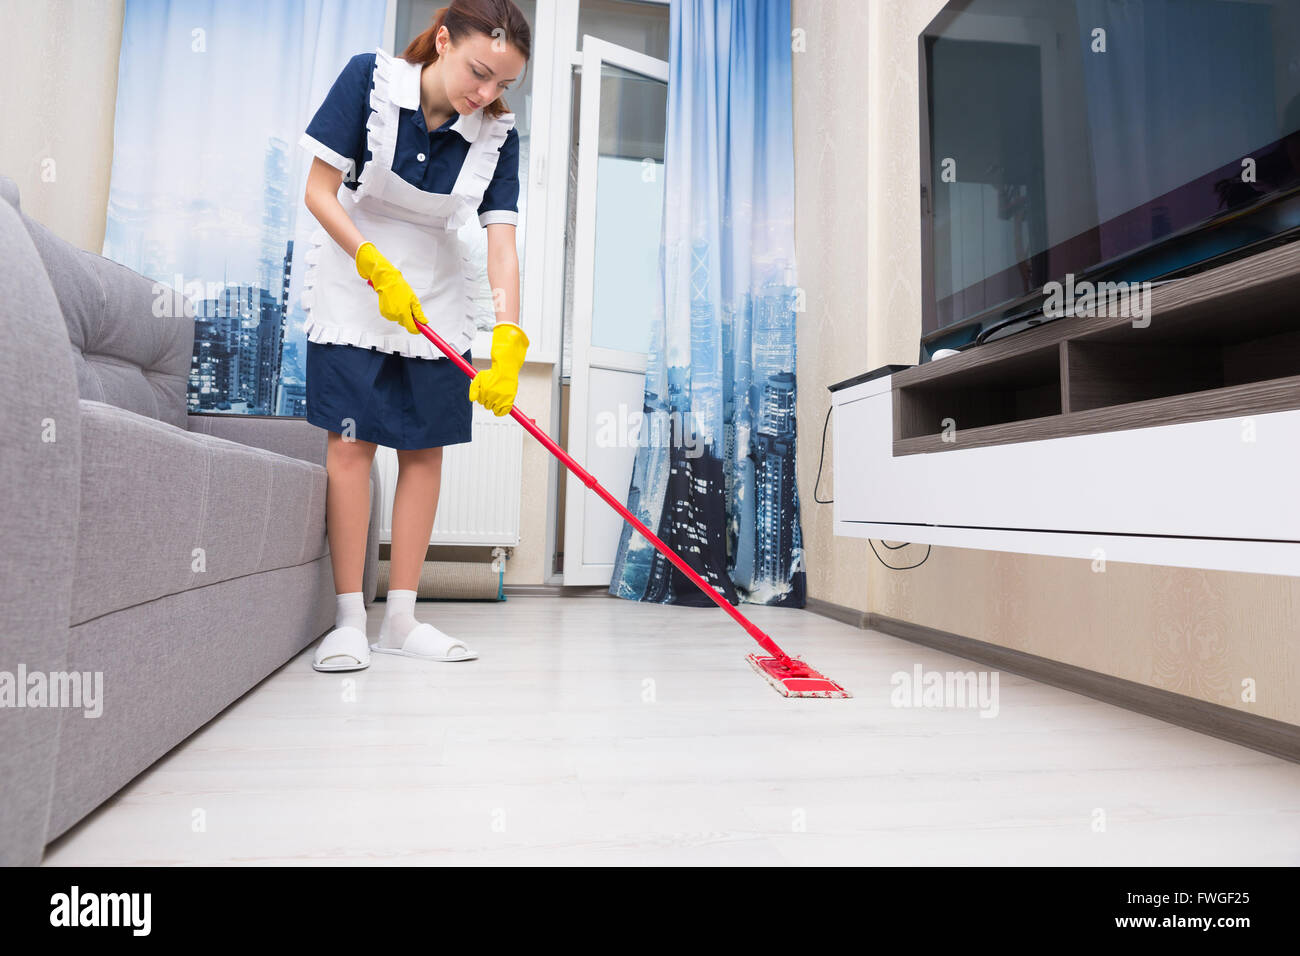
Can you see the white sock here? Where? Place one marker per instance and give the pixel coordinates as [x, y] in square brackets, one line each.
[399, 617]
[351, 611]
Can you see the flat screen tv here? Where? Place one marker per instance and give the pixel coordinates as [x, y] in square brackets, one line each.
[1087, 141]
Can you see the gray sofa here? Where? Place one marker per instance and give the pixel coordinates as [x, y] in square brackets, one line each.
[110, 489]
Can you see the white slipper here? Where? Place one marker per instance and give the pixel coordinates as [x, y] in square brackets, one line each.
[342, 649]
[428, 643]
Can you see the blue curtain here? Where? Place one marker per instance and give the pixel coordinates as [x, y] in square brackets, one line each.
[206, 188]
[715, 476]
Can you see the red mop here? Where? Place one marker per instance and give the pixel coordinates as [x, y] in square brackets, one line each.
[790, 677]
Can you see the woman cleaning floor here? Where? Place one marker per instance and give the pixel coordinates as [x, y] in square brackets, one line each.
[391, 255]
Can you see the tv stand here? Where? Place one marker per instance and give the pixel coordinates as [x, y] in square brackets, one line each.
[1175, 441]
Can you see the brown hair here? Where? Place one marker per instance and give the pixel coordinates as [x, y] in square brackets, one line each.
[465, 17]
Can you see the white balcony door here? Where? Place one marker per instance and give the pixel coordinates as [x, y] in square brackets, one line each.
[618, 222]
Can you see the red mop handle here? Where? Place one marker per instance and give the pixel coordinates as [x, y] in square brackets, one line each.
[797, 667]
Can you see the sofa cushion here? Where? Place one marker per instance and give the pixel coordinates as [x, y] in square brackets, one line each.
[125, 354]
[164, 510]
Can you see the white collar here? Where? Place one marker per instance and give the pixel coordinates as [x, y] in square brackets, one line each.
[406, 94]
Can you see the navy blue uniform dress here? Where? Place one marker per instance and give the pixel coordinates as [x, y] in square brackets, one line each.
[398, 401]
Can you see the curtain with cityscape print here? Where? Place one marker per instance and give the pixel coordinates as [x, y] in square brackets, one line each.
[715, 476]
[207, 178]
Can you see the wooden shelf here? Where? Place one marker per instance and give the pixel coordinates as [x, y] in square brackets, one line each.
[1019, 387]
[1223, 343]
[1278, 395]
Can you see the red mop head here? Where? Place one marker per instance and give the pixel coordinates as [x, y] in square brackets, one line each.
[793, 678]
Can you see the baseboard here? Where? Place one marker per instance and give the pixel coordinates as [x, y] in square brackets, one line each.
[839, 612]
[1274, 737]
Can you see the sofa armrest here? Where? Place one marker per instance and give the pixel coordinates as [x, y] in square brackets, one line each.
[295, 438]
[40, 497]
[292, 437]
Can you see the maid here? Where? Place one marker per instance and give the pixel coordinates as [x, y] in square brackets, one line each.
[406, 149]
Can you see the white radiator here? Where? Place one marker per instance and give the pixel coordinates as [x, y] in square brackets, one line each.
[479, 500]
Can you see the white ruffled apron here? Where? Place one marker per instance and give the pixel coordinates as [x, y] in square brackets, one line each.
[414, 229]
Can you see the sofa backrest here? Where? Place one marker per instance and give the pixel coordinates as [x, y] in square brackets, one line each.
[125, 354]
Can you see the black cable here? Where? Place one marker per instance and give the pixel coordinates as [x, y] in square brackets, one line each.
[892, 567]
[820, 459]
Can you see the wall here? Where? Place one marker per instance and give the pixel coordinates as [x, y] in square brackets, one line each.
[1198, 633]
[58, 71]
[530, 562]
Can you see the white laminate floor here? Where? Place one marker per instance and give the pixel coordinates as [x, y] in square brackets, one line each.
[598, 730]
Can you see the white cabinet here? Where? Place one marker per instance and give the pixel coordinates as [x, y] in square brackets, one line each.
[1222, 493]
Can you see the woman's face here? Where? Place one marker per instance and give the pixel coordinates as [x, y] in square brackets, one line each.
[477, 70]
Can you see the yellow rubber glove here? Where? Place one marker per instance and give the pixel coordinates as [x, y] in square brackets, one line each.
[397, 301]
[495, 388]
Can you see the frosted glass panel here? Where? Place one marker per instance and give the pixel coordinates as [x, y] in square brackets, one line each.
[629, 209]
[631, 24]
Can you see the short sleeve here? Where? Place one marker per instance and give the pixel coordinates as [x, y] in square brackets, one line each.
[337, 133]
[501, 198]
